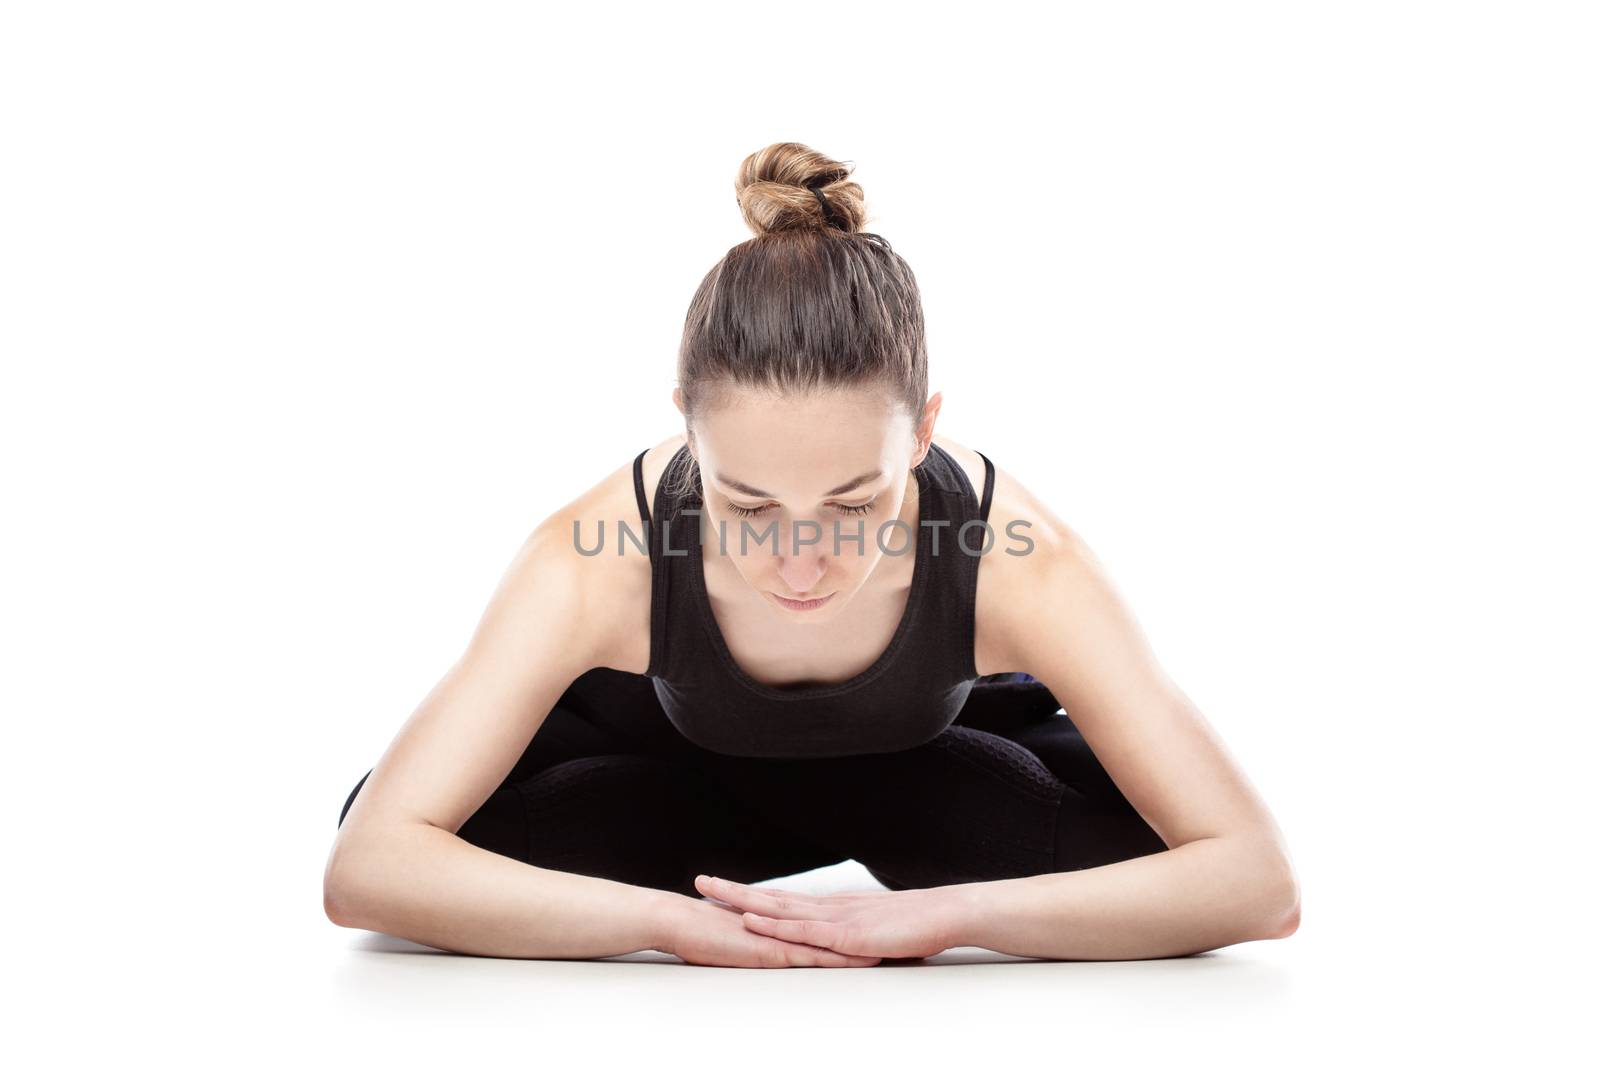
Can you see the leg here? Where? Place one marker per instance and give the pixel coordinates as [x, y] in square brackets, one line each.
[1097, 824]
[967, 806]
[1011, 789]
[648, 821]
[601, 791]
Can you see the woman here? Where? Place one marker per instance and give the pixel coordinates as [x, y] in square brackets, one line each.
[808, 629]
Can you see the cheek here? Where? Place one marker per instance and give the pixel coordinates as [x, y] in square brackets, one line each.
[853, 568]
[754, 567]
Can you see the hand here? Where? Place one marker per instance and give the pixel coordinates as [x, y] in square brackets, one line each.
[910, 923]
[706, 932]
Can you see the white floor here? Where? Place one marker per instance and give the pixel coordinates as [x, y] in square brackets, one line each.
[968, 1000]
[263, 977]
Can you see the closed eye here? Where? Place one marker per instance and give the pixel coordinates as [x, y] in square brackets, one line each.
[848, 509]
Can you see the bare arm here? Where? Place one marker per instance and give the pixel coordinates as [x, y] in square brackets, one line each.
[1226, 876]
[428, 885]
[1202, 895]
[397, 865]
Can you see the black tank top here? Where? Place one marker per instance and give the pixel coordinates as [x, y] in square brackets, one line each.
[904, 699]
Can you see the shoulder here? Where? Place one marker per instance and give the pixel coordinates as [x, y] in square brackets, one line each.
[1035, 558]
[613, 585]
[655, 461]
[967, 459]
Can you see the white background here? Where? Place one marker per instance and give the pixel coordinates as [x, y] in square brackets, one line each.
[309, 312]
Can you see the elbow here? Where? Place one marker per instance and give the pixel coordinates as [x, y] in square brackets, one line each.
[335, 904]
[360, 878]
[340, 887]
[1279, 910]
[1284, 918]
[1291, 920]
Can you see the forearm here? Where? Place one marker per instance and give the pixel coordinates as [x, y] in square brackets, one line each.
[1198, 896]
[428, 885]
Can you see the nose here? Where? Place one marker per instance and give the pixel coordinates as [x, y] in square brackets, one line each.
[802, 571]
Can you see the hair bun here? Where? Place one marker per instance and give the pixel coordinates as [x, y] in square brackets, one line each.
[788, 186]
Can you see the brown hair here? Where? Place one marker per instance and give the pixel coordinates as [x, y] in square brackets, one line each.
[811, 301]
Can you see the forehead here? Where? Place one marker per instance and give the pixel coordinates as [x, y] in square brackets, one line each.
[801, 443]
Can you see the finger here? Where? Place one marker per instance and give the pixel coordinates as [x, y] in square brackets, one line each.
[769, 889]
[765, 901]
[810, 956]
[784, 894]
[780, 953]
[781, 894]
[817, 932]
[819, 898]
[842, 938]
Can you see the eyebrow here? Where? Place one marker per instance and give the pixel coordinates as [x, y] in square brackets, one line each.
[860, 479]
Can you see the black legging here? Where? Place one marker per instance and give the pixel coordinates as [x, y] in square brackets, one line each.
[609, 788]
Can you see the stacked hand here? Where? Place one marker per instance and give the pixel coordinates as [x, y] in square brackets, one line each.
[786, 929]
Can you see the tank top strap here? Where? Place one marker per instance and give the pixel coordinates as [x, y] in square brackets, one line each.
[988, 486]
[638, 488]
[951, 477]
[669, 527]
[951, 640]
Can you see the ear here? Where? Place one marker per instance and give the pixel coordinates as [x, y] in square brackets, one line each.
[677, 400]
[924, 427]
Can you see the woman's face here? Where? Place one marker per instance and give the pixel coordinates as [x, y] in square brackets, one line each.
[790, 483]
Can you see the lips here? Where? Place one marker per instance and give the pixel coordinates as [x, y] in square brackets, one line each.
[810, 604]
